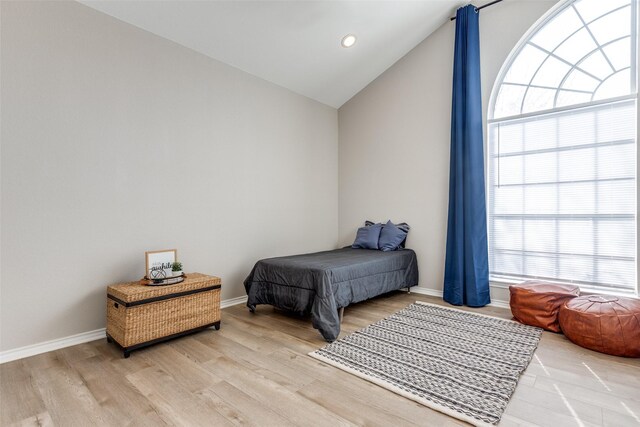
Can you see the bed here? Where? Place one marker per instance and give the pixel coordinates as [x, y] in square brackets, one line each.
[323, 283]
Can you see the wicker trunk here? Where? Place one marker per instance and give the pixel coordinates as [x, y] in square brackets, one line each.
[140, 315]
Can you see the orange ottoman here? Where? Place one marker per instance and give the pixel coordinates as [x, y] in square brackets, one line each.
[604, 323]
[537, 303]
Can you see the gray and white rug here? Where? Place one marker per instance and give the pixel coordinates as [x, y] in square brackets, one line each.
[463, 364]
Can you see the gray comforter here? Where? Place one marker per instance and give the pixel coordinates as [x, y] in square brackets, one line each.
[322, 282]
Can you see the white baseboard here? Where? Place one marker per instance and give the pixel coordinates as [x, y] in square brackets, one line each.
[500, 304]
[437, 293]
[233, 301]
[43, 347]
[81, 338]
[427, 291]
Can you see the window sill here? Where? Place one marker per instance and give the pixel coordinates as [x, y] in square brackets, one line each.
[503, 283]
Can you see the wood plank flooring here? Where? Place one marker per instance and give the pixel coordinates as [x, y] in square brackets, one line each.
[255, 371]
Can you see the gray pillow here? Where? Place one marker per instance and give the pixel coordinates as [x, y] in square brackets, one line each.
[367, 237]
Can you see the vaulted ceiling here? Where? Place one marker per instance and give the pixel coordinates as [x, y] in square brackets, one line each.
[294, 44]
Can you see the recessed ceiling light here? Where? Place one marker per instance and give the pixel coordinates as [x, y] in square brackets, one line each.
[348, 40]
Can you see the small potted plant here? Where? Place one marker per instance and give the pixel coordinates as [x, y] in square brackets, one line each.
[176, 269]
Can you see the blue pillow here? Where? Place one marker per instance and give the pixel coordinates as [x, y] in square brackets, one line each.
[402, 226]
[367, 237]
[391, 237]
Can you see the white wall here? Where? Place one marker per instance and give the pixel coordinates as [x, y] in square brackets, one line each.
[395, 136]
[115, 141]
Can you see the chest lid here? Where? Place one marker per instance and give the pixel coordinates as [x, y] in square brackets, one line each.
[134, 292]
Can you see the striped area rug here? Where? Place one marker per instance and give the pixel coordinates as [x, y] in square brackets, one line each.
[463, 364]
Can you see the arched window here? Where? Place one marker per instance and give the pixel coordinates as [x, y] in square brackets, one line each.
[562, 150]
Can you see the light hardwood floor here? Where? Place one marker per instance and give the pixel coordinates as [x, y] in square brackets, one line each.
[255, 371]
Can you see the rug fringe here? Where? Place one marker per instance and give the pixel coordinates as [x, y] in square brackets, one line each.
[473, 312]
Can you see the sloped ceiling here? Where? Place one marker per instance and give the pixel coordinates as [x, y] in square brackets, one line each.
[294, 44]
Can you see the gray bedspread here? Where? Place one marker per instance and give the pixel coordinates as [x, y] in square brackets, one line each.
[321, 283]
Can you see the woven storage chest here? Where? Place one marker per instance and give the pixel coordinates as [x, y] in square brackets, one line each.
[140, 315]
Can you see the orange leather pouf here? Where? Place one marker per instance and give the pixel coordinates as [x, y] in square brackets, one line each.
[605, 323]
[537, 303]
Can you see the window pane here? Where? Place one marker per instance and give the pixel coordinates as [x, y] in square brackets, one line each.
[559, 28]
[576, 47]
[540, 134]
[596, 64]
[510, 170]
[612, 26]
[612, 163]
[574, 268]
[538, 99]
[509, 139]
[525, 64]
[577, 80]
[541, 168]
[540, 236]
[618, 273]
[508, 199]
[568, 244]
[577, 198]
[615, 198]
[508, 234]
[509, 101]
[590, 9]
[507, 263]
[540, 199]
[540, 265]
[551, 73]
[616, 238]
[577, 165]
[615, 123]
[566, 97]
[619, 53]
[576, 128]
[618, 84]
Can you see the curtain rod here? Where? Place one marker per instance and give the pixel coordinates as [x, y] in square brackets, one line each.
[482, 7]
